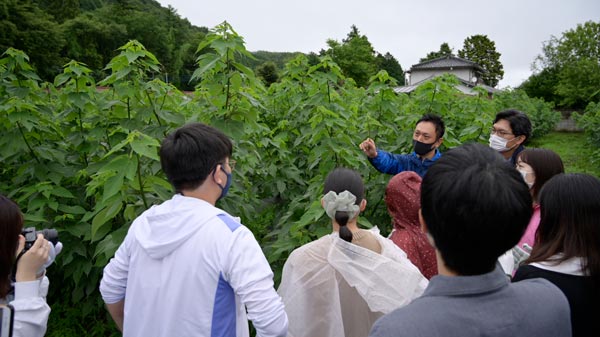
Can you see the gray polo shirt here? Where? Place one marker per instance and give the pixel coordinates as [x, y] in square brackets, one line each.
[483, 305]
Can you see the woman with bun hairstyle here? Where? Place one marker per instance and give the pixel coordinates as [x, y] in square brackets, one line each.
[338, 285]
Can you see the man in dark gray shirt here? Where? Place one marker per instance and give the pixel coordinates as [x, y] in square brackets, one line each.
[474, 208]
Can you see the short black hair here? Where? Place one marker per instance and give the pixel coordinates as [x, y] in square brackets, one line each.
[437, 121]
[475, 206]
[190, 153]
[344, 179]
[519, 122]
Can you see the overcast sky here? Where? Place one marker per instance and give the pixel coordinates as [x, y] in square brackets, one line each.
[407, 29]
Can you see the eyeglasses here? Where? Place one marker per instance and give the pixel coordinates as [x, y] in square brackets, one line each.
[500, 133]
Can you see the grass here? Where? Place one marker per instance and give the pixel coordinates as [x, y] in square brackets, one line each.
[574, 150]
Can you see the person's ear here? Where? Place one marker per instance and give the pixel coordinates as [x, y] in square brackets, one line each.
[363, 205]
[521, 139]
[440, 141]
[215, 174]
[322, 203]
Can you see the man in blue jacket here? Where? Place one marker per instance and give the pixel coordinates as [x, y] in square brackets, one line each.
[427, 138]
[474, 208]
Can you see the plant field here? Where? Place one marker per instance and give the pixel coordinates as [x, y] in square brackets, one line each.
[82, 157]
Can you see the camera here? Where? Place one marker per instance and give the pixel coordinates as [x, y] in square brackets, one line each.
[31, 234]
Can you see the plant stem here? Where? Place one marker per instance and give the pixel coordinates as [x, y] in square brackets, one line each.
[139, 174]
[27, 143]
[228, 80]
[153, 108]
[107, 139]
[128, 109]
[432, 98]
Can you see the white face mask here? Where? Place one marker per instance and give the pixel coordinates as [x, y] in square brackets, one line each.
[524, 174]
[499, 144]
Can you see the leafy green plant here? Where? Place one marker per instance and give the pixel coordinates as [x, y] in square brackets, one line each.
[81, 156]
[590, 122]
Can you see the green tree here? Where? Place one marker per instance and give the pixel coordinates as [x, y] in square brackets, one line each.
[389, 63]
[445, 50]
[261, 56]
[93, 41]
[542, 85]
[95, 29]
[574, 44]
[313, 58]
[188, 56]
[61, 10]
[268, 73]
[579, 83]
[355, 56]
[24, 26]
[575, 58]
[481, 50]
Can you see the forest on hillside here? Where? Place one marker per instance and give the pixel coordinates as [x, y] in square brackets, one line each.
[54, 32]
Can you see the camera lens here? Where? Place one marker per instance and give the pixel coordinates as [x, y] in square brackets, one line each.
[49, 234]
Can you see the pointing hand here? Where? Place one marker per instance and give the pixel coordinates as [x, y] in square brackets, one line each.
[368, 147]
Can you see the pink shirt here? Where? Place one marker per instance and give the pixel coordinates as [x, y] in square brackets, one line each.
[529, 236]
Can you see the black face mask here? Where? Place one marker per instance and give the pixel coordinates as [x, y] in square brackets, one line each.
[422, 148]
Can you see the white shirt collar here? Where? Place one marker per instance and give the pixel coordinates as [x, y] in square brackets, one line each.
[572, 266]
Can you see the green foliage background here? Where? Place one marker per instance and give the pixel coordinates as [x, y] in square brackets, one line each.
[568, 70]
[83, 159]
[590, 122]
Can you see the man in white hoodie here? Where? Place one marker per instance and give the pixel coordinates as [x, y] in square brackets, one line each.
[186, 267]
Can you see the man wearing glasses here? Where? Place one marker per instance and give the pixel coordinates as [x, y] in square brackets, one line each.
[427, 138]
[511, 130]
[187, 267]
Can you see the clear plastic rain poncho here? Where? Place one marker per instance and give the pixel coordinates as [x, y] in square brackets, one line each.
[333, 288]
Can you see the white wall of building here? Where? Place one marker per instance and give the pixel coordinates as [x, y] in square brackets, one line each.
[419, 75]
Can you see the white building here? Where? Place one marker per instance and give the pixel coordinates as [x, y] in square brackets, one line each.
[467, 72]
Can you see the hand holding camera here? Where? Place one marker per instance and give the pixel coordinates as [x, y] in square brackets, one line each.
[32, 259]
[37, 250]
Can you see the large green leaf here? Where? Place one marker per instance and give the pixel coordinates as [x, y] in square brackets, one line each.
[105, 216]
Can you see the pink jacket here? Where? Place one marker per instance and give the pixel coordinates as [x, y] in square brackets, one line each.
[529, 236]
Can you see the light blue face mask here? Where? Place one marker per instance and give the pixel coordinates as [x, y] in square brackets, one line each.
[225, 190]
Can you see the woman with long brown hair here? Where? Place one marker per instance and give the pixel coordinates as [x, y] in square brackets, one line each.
[536, 166]
[30, 289]
[567, 247]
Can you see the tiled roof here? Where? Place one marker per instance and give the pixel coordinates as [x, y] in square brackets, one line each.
[446, 62]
